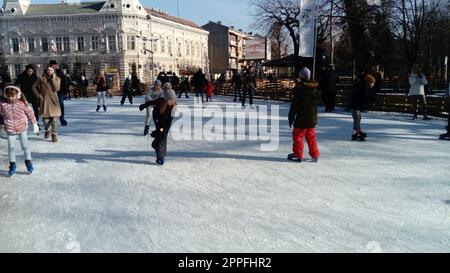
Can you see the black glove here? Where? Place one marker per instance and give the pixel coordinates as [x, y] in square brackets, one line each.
[142, 107]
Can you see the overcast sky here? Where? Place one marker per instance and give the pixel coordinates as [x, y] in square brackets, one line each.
[230, 12]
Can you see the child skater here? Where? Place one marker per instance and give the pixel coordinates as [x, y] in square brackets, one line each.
[303, 116]
[17, 112]
[209, 88]
[154, 93]
[162, 115]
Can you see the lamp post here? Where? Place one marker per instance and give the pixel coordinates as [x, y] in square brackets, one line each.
[151, 52]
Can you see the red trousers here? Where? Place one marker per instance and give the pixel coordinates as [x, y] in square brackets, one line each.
[310, 135]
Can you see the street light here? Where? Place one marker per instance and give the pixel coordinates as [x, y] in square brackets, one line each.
[151, 52]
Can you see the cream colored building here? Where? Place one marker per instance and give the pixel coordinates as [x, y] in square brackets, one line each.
[117, 35]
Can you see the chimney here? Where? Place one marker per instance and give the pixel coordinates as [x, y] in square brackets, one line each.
[219, 22]
[232, 27]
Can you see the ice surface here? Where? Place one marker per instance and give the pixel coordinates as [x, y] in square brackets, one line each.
[99, 190]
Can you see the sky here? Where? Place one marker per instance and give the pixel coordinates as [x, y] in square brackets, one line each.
[231, 12]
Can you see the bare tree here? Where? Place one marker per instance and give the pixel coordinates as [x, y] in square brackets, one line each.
[278, 39]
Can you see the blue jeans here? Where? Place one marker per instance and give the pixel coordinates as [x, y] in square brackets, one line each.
[12, 146]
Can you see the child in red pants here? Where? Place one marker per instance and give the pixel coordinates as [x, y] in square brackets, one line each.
[303, 116]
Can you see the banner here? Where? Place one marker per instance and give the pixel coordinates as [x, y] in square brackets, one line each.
[255, 49]
[307, 27]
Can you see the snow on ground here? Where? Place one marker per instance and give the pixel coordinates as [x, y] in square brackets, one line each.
[99, 190]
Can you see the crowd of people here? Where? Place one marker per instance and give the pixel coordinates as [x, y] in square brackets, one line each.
[33, 97]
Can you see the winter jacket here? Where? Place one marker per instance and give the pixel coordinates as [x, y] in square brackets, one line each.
[237, 80]
[102, 85]
[162, 120]
[64, 82]
[26, 86]
[199, 81]
[46, 90]
[359, 96]
[209, 89]
[417, 83]
[152, 94]
[127, 87]
[303, 111]
[16, 115]
[328, 82]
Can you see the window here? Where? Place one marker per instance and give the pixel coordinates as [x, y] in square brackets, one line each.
[163, 46]
[31, 46]
[112, 43]
[66, 43]
[131, 42]
[169, 47]
[80, 43]
[179, 49]
[44, 41]
[155, 46]
[187, 49]
[17, 69]
[192, 49]
[59, 44]
[15, 44]
[94, 42]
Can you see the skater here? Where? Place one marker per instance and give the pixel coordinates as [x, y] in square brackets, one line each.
[102, 87]
[110, 86]
[82, 86]
[328, 86]
[154, 93]
[249, 85]
[46, 90]
[61, 90]
[236, 82]
[199, 82]
[25, 82]
[303, 116]
[417, 80]
[127, 91]
[17, 112]
[209, 90]
[163, 115]
[359, 101]
[446, 136]
[135, 84]
[184, 86]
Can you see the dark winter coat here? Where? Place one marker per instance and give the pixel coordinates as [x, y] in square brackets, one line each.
[26, 86]
[65, 82]
[199, 81]
[163, 78]
[127, 87]
[237, 80]
[162, 120]
[135, 83]
[328, 82]
[102, 85]
[359, 96]
[303, 111]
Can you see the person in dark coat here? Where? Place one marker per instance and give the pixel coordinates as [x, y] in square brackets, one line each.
[25, 81]
[328, 86]
[163, 116]
[61, 91]
[127, 91]
[236, 81]
[83, 84]
[175, 81]
[162, 76]
[249, 85]
[303, 116]
[135, 84]
[199, 82]
[101, 88]
[184, 86]
[360, 101]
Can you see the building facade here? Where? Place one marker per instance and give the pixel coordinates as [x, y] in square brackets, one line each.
[226, 47]
[119, 36]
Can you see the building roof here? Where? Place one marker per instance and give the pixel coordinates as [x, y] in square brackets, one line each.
[171, 18]
[64, 8]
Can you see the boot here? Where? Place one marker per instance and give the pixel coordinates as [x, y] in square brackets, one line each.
[54, 138]
[12, 169]
[47, 134]
[63, 121]
[160, 161]
[104, 108]
[146, 130]
[98, 108]
[293, 157]
[29, 165]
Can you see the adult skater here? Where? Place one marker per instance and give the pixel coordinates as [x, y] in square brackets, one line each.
[17, 113]
[184, 86]
[25, 82]
[46, 90]
[83, 84]
[61, 92]
[328, 83]
[236, 82]
[101, 87]
[127, 91]
[417, 80]
[163, 115]
[249, 85]
[303, 116]
[199, 82]
[154, 93]
[359, 101]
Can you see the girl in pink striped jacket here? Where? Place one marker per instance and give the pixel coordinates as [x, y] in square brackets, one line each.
[16, 113]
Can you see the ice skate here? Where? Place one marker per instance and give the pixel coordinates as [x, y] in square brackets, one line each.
[293, 157]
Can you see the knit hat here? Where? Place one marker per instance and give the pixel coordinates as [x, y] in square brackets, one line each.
[169, 93]
[158, 82]
[305, 73]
